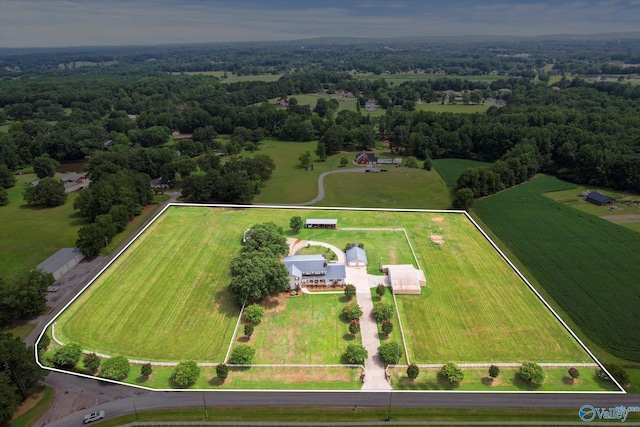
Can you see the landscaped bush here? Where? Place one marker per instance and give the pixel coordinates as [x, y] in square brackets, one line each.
[115, 368]
[248, 330]
[354, 327]
[381, 290]
[390, 352]
[253, 313]
[532, 372]
[386, 327]
[352, 311]
[355, 353]
[574, 373]
[413, 371]
[451, 373]
[242, 355]
[146, 370]
[382, 311]
[67, 356]
[91, 361]
[185, 374]
[494, 371]
[222, 371]
[349, 291]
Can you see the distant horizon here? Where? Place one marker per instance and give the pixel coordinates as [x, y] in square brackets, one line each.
[121, 23]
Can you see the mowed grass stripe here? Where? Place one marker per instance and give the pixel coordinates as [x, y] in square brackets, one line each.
[166, 298]
[479, 309]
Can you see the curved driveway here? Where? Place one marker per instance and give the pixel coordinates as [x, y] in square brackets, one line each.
[320, 195]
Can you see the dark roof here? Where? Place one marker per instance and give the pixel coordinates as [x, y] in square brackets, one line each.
[59, 259]
[370, 156]
[598, 197]
[314, 266]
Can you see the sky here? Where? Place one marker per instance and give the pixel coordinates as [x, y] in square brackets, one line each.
[57, 23]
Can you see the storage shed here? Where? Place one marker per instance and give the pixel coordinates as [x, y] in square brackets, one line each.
[405, 279]
[356, 256]
[599, 199]
[321, 223]
[61, 262]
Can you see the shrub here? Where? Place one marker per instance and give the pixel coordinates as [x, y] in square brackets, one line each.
[355, 353]
[617, 371]
[452, 373]
[494, 371]
[254, 313]
[382, 311]
[242, 355]
[146, 370]
[91, 361]
[390, 352]
[115, 368]
[185, 374]
[381, 290]
[532, 372]
[248, 330]
[413, 371]
[222, 371]
[574, 373]
[354, 327]
[352, 311]
[67, 356]
[350, 291]
[386, 327]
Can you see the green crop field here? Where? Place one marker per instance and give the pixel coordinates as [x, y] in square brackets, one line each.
[165, 298]
[451, 169]
[398, 188]
[29, 235]
[587, 264]
[478, 309]
[305, 329]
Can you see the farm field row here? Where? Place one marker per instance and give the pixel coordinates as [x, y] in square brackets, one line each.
[451, 169]
[165, 299]
[588, 265]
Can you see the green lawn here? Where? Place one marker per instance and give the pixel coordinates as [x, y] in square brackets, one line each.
[305, 329]
[29, 235]
[398, 188]
[165, 299]
[20, 330]
[623, 212]
[437, 107]
[43, 396]
[474, 310]
[451, 169]
[588, 265]
[478, 309]
[557, 379]
[395, 335]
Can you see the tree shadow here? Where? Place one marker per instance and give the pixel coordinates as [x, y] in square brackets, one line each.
[444, 384]
[567, 380]
[487, 381]
[523, 384]
[343, 299]
[243, 339]
[141, 379]
[348, 337]
[224, 304]
[215, 381]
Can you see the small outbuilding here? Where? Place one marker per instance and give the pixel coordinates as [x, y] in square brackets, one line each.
[405, 279]
[61, 262]
[599, 199]
[356, 256]
[321, 223]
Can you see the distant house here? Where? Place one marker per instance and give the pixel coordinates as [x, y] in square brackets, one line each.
[356, 256]
[159, 184]
[73, 181]
[321, 223]
[313, 270]
[599, 199]
[368, 159]
[282, 102]
[177, 137]
[371, 105]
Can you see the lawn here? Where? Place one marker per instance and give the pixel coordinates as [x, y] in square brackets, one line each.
[311, 99]
[233, 78]
[626, 211]
[29, 235]
[557, 379]
[588, 265]
[437, 107]
[400, 78]
[451, 169]
[165, 298]
[162, 297]
[478, 309]
[398, 188]
[305, 329]
[290, 183]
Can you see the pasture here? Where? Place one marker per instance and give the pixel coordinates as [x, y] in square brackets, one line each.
[588, 265]
[233, 78]
[451, 169]
[478, 310]
[311, 99]
[165, 298]
[398, 188]
[29, 234]
[400, 78]
[305, 329]
[437, 107]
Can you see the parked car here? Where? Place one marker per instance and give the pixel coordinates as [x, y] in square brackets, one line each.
[94, 416]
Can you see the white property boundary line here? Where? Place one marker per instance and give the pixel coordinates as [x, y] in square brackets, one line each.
[232, 206]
